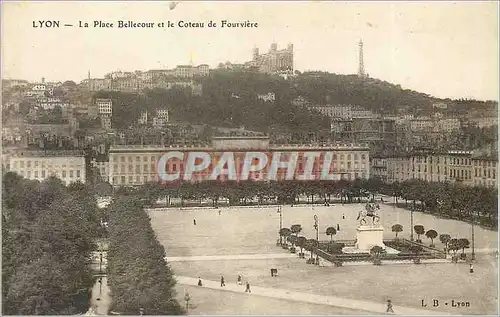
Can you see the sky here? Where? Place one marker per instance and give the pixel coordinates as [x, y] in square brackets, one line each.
[445, 49]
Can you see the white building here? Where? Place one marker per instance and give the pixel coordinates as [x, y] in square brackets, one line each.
[343, 111]
[162, 114]
[448, 125]
[135, 165]
[104, 107]
[37, 165]
[421, 124]
[143, 118]
[484, 122]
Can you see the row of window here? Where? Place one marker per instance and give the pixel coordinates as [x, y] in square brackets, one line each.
[485, 182]
[44, 174]
[174, 167]
[122, 180]
[486, 173]
[29, 164]
[156, 158]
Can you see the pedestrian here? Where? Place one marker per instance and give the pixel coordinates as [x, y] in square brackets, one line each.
[194, 222]
[199, 282]
[389, 307]
[272, 272]
[239, 280]
[222, 281]
[343, 216]
[338, 227]
[471, 268]
[247, 289]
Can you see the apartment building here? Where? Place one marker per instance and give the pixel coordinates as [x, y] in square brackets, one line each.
[69, 166]
[136, 165]
[451, 166]
[485, 171]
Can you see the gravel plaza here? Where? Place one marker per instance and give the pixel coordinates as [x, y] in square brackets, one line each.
[242, 240]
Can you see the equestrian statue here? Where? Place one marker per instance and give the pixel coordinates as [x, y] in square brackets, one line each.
[370, 211]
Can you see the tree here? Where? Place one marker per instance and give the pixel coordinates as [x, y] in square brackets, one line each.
[375, 252]
[454, 245]
[331, 231]
[284, 233]
[445, 239]
[132, 285]
[311, 244]
[335, 248]
[38, 288]
[431, 234]
[301, 243]
[419, 230]
[416, 249]
[397, 228]
[463, 243]
[296, 229]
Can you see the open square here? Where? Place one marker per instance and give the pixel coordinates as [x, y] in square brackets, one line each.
[242, 240]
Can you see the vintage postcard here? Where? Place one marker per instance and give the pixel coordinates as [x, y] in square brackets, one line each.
[249, 158]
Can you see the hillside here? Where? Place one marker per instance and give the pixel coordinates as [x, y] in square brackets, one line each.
[230, 99]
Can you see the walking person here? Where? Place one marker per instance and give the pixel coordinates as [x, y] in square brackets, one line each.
[199, 282]
[194, 222]
[338, 227]
[343, 216]
[222, 281]
[471, 268]
[239, 282]
[247, 289]
[389, 307]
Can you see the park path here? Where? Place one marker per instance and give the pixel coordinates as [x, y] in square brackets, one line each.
[356, 305]
[286, 256]
[101, 298]
[230, 257]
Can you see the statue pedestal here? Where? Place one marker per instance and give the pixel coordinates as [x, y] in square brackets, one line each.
[369, 236]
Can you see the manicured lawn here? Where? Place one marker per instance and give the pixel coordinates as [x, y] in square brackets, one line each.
[210, 302]
[254, 231]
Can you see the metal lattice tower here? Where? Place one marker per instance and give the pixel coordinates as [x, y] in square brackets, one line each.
[361, 68]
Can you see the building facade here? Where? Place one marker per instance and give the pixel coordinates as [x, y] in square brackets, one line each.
[136, 165]
[275, 61]
[105, 112]
[68, 166]
[452, 166]
[485, 171]
[343, 111]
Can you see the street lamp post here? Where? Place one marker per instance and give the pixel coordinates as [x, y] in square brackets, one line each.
[411, 224]
[100, 288]
[187, 298]
[316, 226]
[281, 224]
[100, 264]
[473, 251]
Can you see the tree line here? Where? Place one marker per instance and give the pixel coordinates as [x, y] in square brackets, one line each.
[452, 200]
[47, 240]
[141, 282]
